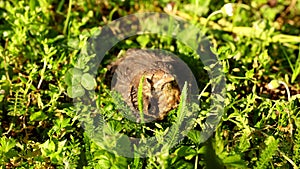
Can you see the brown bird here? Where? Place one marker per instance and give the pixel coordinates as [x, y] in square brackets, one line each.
[161, 86]
[160, 94]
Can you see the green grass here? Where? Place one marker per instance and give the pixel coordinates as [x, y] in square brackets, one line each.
[40, 73]
[140, 98]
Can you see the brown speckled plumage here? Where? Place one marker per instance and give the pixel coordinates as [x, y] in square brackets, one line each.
[161, 85]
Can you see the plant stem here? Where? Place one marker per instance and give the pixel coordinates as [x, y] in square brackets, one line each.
[204, 90]
[211, 15]
[68, 17]
[196, 162]
[289, 160]
[286, 88]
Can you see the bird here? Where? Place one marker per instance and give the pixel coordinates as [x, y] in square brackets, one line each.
[160, 93]
[162, 76]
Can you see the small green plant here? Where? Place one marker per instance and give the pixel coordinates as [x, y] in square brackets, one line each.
[267, 153]
[41, 72]
[7, 150]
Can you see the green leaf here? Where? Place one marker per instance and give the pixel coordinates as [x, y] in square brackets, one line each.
[88, 81]
[115, 126]
[73, 77]
[182, 164]
[249, 74]
[173, 135]
[143, 40]
[33, 4]
[140, 98]
[104, 162]
[274, 84]
[75, 91]
[7, 144]
[264, 58]
[187, 152]
[234, 161]
[123, 144]
[195, 136]
[38, 116]
[48, 147]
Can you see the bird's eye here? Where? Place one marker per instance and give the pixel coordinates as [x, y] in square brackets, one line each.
[149, 106]
[165, 75]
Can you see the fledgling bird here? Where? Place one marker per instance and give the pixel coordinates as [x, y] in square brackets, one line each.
[161, 85]
[160, 94]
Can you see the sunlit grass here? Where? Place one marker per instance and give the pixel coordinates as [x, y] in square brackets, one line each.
[40, 128]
